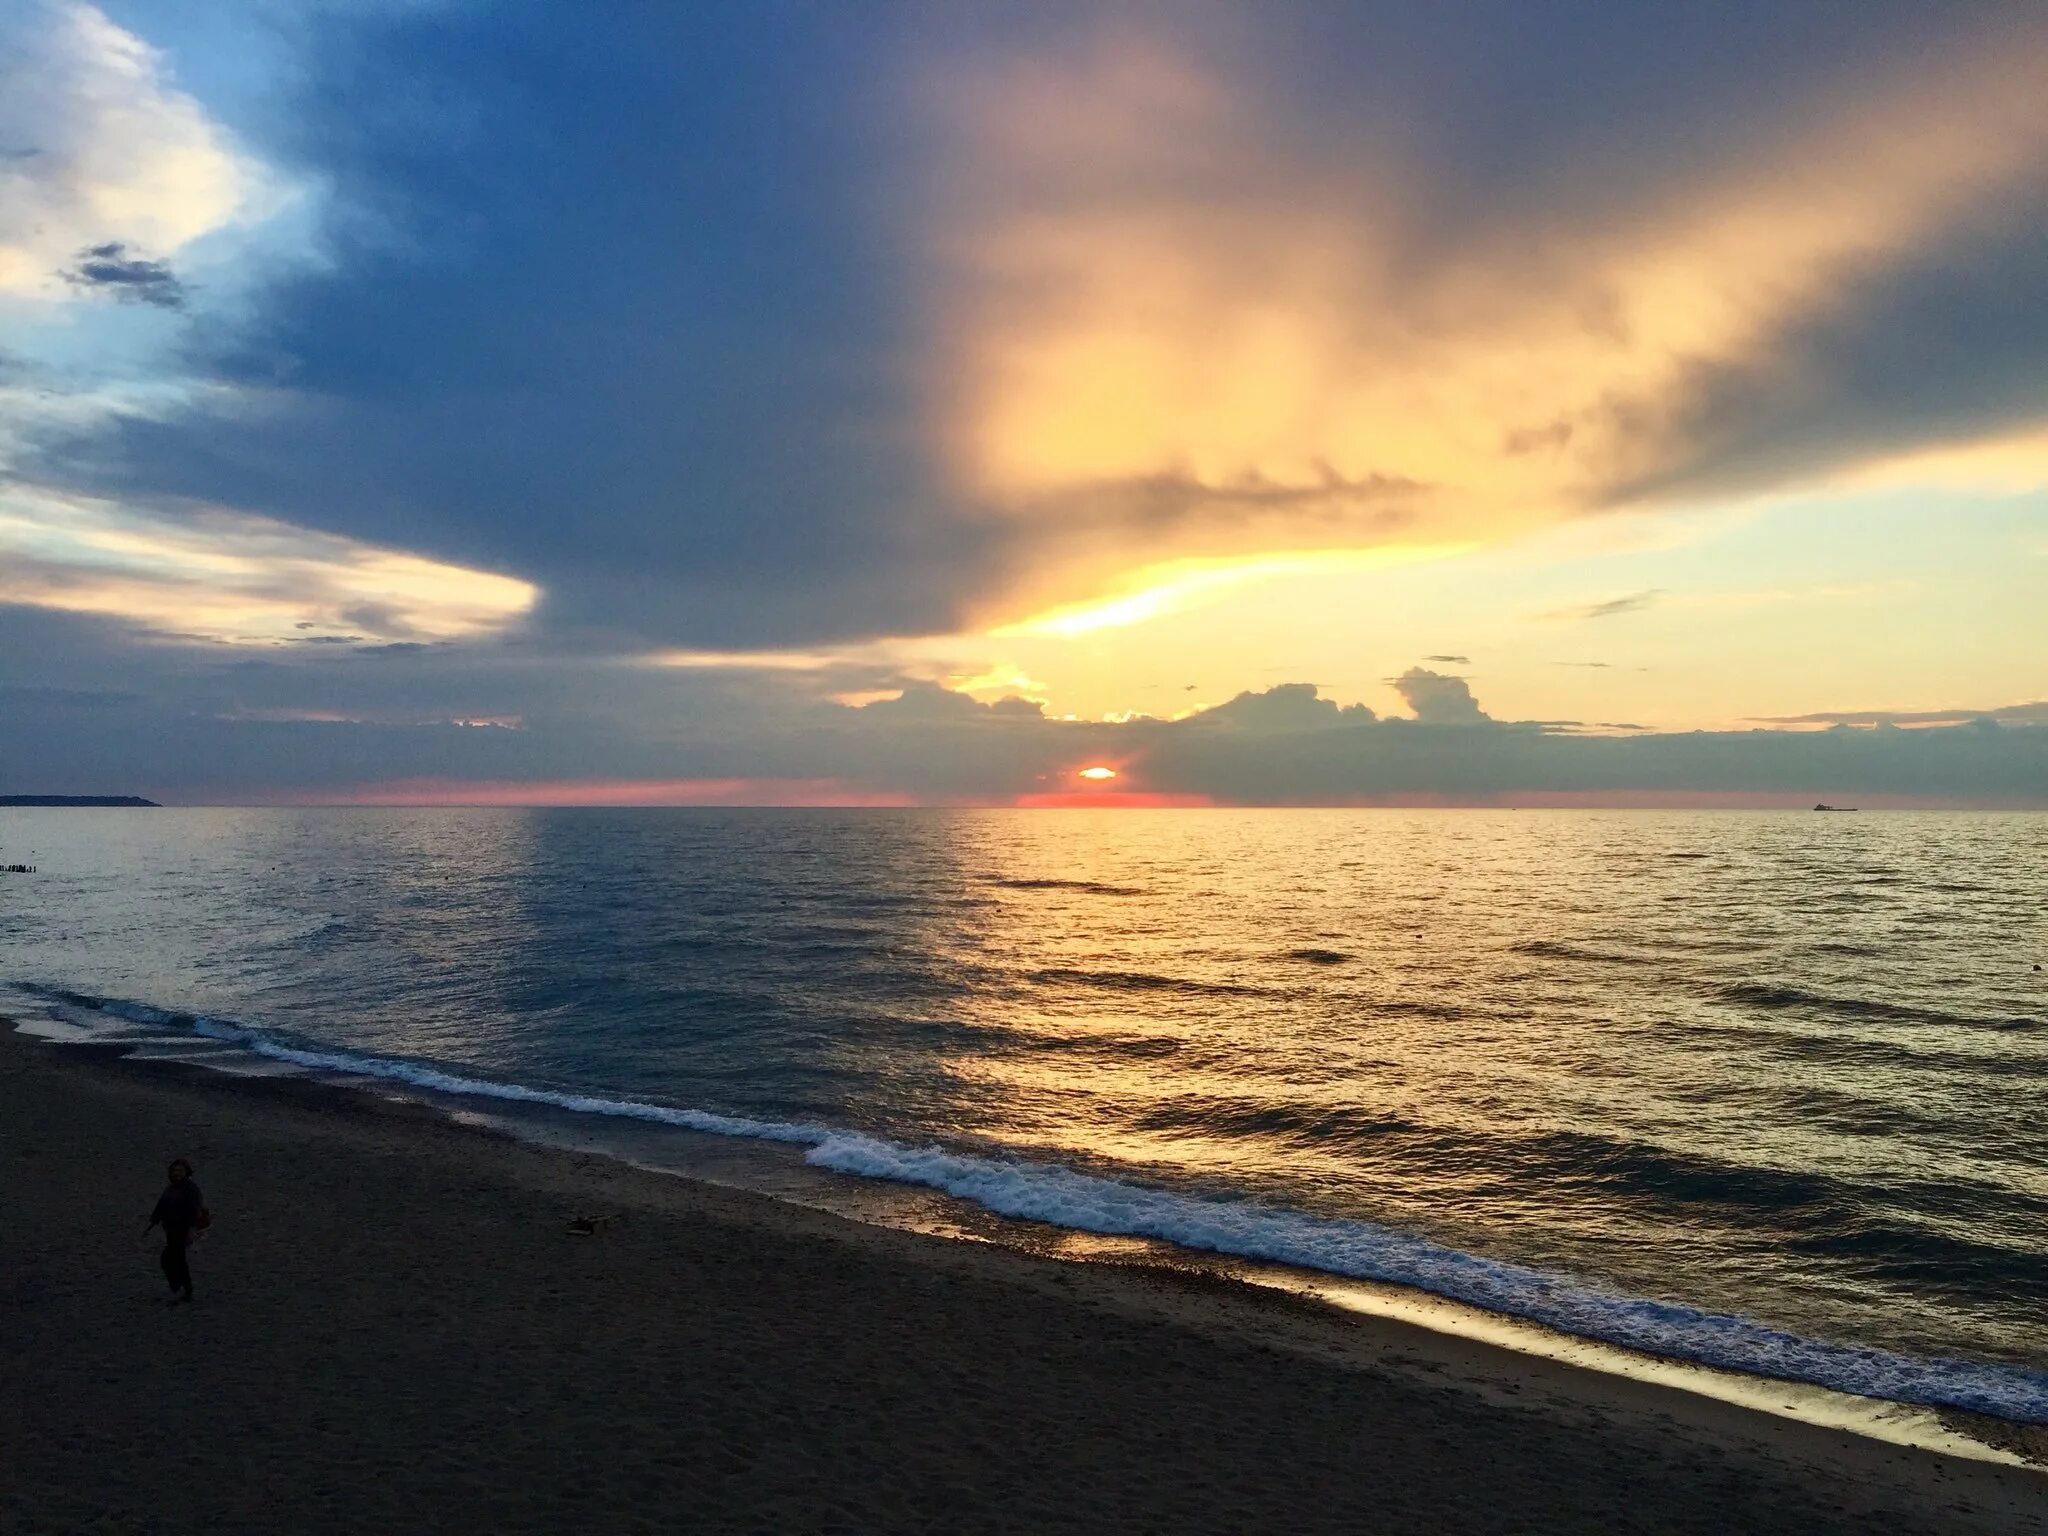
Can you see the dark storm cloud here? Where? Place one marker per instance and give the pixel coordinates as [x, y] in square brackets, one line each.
[205, 721]
[113, 269]
[1953, 352]
[636, 304]
[628, 303]
[34, 695]
[611, 305]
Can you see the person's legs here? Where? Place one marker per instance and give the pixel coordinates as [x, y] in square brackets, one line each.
[176, 1270]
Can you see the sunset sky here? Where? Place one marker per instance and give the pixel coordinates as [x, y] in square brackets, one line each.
[876, 403]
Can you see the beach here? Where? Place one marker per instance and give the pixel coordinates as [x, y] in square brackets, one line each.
[395, 1329]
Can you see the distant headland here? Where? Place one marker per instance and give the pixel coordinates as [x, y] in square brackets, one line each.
[75, 800]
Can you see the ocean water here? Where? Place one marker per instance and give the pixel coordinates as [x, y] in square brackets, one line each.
[1763, 1091]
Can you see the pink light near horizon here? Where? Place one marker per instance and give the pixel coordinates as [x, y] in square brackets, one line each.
[830, 793]
[1112, 799]
[619, 792]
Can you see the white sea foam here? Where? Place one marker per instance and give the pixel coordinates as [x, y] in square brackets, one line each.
[1364, 1251]
[1065, 1197]
[437, 1081]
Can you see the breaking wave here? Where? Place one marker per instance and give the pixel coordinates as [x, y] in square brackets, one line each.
[1047, 1192]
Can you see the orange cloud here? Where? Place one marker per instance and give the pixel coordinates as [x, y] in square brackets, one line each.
[1164, 324]
[2006, 463]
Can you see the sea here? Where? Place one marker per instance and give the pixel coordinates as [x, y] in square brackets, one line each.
[1759, 1092]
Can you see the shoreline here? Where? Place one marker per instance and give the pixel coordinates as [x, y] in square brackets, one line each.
[893, 1184]
[392, 1296]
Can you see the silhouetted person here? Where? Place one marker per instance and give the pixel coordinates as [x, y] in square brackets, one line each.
[180, 1210]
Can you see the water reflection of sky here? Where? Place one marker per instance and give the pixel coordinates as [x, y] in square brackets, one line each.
[1644, 1045]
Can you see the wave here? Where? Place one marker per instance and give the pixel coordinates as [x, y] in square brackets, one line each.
[1296, 1125]
[1858, 1051]
[1362, 1250]
[1092, 887]
[1925, 1257]
[1044, 1192]
[1146, 981]
[996, 1039]
[1855, 1114]
[1553, 949]
[1417, 1008]
[1755, 994]
[1557, 1160]
[1680, 1177]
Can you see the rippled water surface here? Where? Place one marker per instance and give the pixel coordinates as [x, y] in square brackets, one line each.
[1783, 1066]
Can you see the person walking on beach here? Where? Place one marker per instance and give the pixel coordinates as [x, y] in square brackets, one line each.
[181, 1211]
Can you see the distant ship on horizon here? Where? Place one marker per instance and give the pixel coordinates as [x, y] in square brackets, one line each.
[1834, 807]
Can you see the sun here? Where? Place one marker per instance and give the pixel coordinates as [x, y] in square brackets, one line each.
[1098, 773]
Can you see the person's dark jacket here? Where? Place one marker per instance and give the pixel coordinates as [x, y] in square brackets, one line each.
[178, 1208]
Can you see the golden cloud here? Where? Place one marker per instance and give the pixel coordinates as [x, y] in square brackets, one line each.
[233, 578]
[1167, 326]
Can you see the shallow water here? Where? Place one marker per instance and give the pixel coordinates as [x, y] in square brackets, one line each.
[1760, 1090]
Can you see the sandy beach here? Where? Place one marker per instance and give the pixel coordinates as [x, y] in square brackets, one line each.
[395, 1330]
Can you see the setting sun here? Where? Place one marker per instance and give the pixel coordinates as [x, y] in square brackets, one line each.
[1098, 773]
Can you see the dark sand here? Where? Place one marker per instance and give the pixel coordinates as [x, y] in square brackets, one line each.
[395, 1332]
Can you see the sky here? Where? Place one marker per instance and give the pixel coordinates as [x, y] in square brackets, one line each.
[439, 401]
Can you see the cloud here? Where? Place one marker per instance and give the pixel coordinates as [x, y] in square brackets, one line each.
[228, 578]
[677, 381]
[2035, 713]
[24, 694]
[1151, 288]
[1042, 325]
[928, 701]
[313, 724]
[1436, 699]
[1185, 255]
[1456, 661]
[1634, 602]
[114, 183]
[112, 268]
[2001, 463]
[1284, 707]
[1151, 591]
[105, 153]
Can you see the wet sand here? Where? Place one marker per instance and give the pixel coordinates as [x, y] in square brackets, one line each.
[396, 1331]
